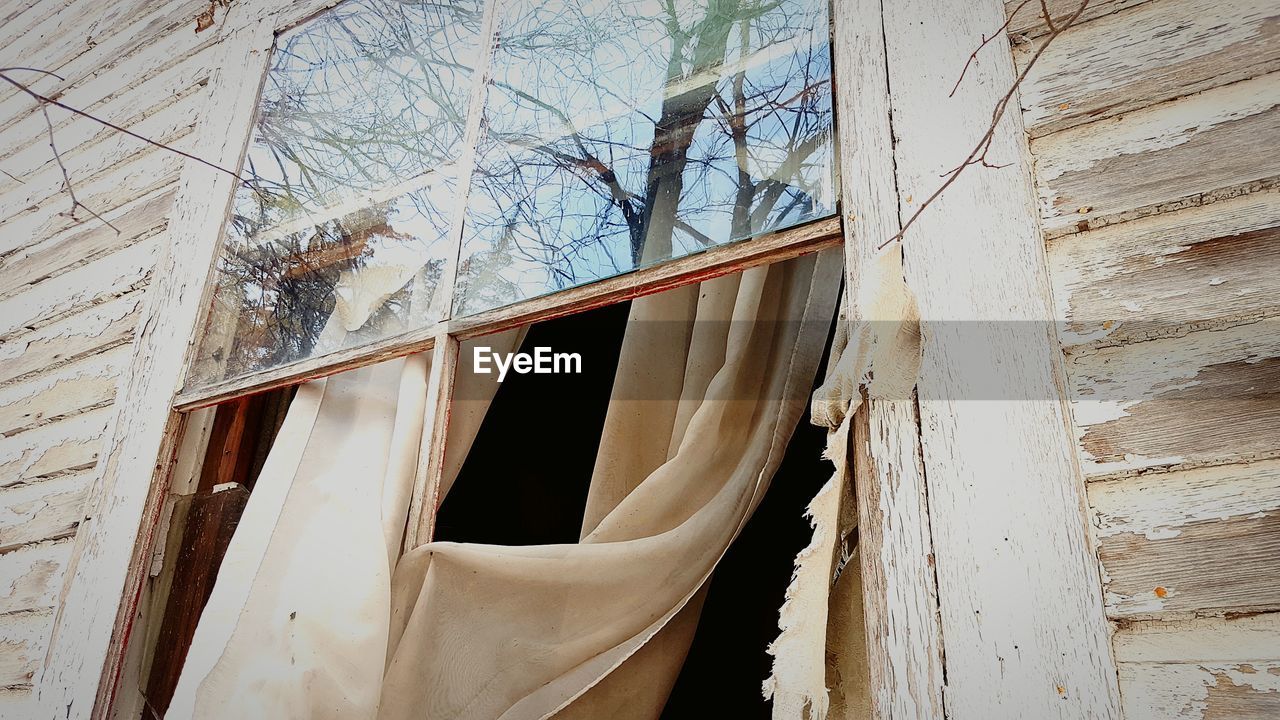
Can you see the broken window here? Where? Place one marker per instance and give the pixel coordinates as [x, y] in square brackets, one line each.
[611, 550]
[426, 179]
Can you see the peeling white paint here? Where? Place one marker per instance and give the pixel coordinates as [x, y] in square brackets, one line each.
[1158, 506]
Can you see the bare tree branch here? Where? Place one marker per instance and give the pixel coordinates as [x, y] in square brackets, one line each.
[1048, 19]
[66, 177]
[978, 156]
[974, 55]
[45, 100]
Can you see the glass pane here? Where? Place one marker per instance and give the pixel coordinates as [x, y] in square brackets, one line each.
[342, 236]
[627, 132]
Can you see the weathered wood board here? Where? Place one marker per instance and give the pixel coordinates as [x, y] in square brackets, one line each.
[95, 329]
[24, 636]
[1192, 541]
[1205, 669]
[31, 577]
[1013, 583]
[1184, 152]
[1028, 20]
[46, 510]
[85, 384]
[1156, 52]
[1209, 398]
[1193, 269]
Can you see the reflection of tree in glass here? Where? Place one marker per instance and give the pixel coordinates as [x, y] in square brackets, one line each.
[284, 289]
[625, 133]
[361, 115]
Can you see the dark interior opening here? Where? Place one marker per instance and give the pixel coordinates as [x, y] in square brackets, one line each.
[526, 479]
[203, 519]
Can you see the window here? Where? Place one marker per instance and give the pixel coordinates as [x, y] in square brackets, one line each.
[413, 163]
[342, 234]
[422, 175]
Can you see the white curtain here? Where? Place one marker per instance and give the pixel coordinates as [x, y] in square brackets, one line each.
[307, 621]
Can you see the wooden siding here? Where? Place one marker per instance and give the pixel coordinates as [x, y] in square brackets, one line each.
[72, 290]
[1153, 127]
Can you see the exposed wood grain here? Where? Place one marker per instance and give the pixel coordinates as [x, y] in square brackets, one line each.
[23, 639]
[1238, 639]
[1209, 667]
[53, 32]
[1022, 616]
[1200, 540]
[715, 262]
[146, 171]
[1029, 22]
[16, 699]
[1183, 152]
[140, 651]
[47, 510]
[83, 385]
[116, 155]
[1200, 267]
[139, 44]
[19, 22]
[230, 449]
[1201, 691]
[1147, 55]
[1209, 398]
[93, 330]
[111, 560]
[31, 577]
[210, 523]
[900, 595]
[67, 445]
[37, 261]
[62, 295]
[159, 103]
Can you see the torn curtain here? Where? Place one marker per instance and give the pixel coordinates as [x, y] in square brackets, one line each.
[310, 621]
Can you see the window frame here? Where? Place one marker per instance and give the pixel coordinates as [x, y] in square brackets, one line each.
[443, 337]
[735, 256]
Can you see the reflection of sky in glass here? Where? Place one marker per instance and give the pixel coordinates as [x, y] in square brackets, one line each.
[353, 158]
[625, 133]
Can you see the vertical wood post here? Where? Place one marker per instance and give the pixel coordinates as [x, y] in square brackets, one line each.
[426, 491]
[904, 644]
[1020, 597]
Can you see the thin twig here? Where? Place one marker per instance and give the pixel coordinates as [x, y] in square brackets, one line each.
[50, 101]
[974, 55]
[978, 156]
[1048, 19]
[36, 70]
[66, 177]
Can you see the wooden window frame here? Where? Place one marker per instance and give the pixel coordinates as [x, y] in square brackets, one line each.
[907, 463]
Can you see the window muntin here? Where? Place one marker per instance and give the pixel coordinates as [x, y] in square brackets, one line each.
[621, 134]
[342, 235]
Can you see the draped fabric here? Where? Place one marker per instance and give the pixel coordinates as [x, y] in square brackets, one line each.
[298, 612]
[821, 669]
[309, 622]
